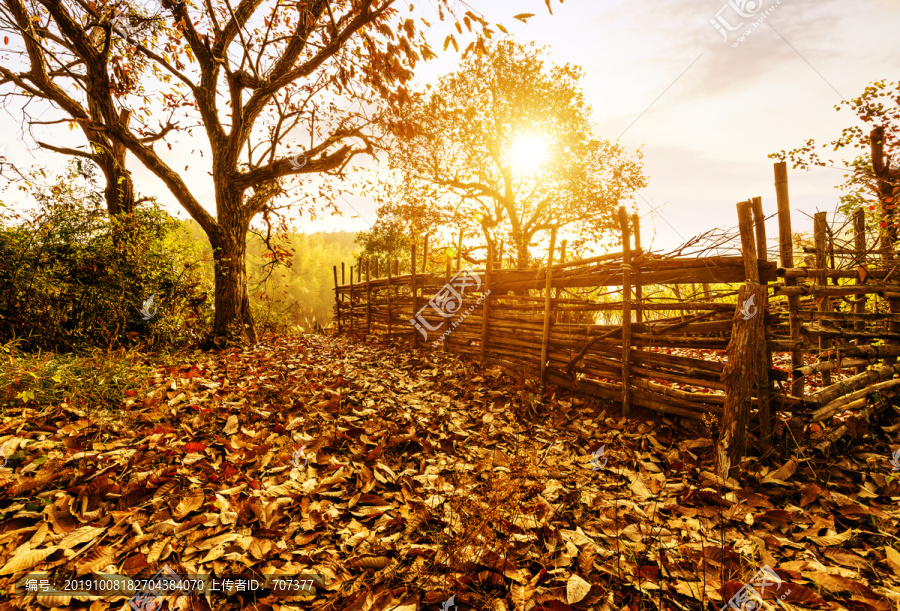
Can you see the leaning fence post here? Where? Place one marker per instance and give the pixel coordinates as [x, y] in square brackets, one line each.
[415, 301]
[626, 311]
[337, 301]
[548, 304]
[484, 302]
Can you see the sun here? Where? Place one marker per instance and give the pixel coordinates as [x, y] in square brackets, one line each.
[527, 152]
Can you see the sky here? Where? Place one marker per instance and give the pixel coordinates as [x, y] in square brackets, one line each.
[705, 110]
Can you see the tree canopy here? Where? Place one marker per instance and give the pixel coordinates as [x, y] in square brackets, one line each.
[503, 149]
[254, 75]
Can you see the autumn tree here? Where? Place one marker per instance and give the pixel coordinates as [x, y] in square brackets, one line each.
[872, 178]
[254, 75]
[405, 217]
[505, 147]
[41, 65]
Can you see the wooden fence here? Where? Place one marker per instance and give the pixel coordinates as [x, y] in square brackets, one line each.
[654, 330]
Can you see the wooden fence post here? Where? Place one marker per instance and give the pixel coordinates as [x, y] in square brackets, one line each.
[351, 300]
[548, 304]
[459, 251]
[415, 301]
[638, 287]
[343, 276]
[484, 302]
[368, 300]
[447, 320]
[626, 312]
[337, 301]
[819, 231]
[745, 354]
[390, 312]
[425, 255]
[859, 237]
[786, 248]
[766, 416]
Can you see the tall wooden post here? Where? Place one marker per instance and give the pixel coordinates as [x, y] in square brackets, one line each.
[500, 256]
[337, 301]
[459, 251]
[626, 312]
[562, 259]
[343, 275]
[447, 320]
[744, 352]
[368, 300]
[859, 237]
[488, 264]
[638, 287]
[390, 311]
[886, 179]
[548, 306]
[415, 301]
[351, 301]
[766, 416]
[425, 255]
[786, 250]
[819, 231]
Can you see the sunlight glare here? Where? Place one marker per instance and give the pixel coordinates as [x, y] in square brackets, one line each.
[527, 153]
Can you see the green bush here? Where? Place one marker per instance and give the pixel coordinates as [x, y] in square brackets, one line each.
[71, 276]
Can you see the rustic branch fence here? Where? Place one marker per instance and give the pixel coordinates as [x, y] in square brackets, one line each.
[544, 322]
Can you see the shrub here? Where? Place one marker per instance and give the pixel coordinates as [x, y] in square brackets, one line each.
[71, 276]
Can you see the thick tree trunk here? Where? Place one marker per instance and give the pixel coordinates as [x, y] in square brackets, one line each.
[233, 322]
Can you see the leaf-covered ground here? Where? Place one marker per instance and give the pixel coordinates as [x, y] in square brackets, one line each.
[389, 480]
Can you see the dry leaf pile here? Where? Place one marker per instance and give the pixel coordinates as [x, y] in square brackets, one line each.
[400, 480]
